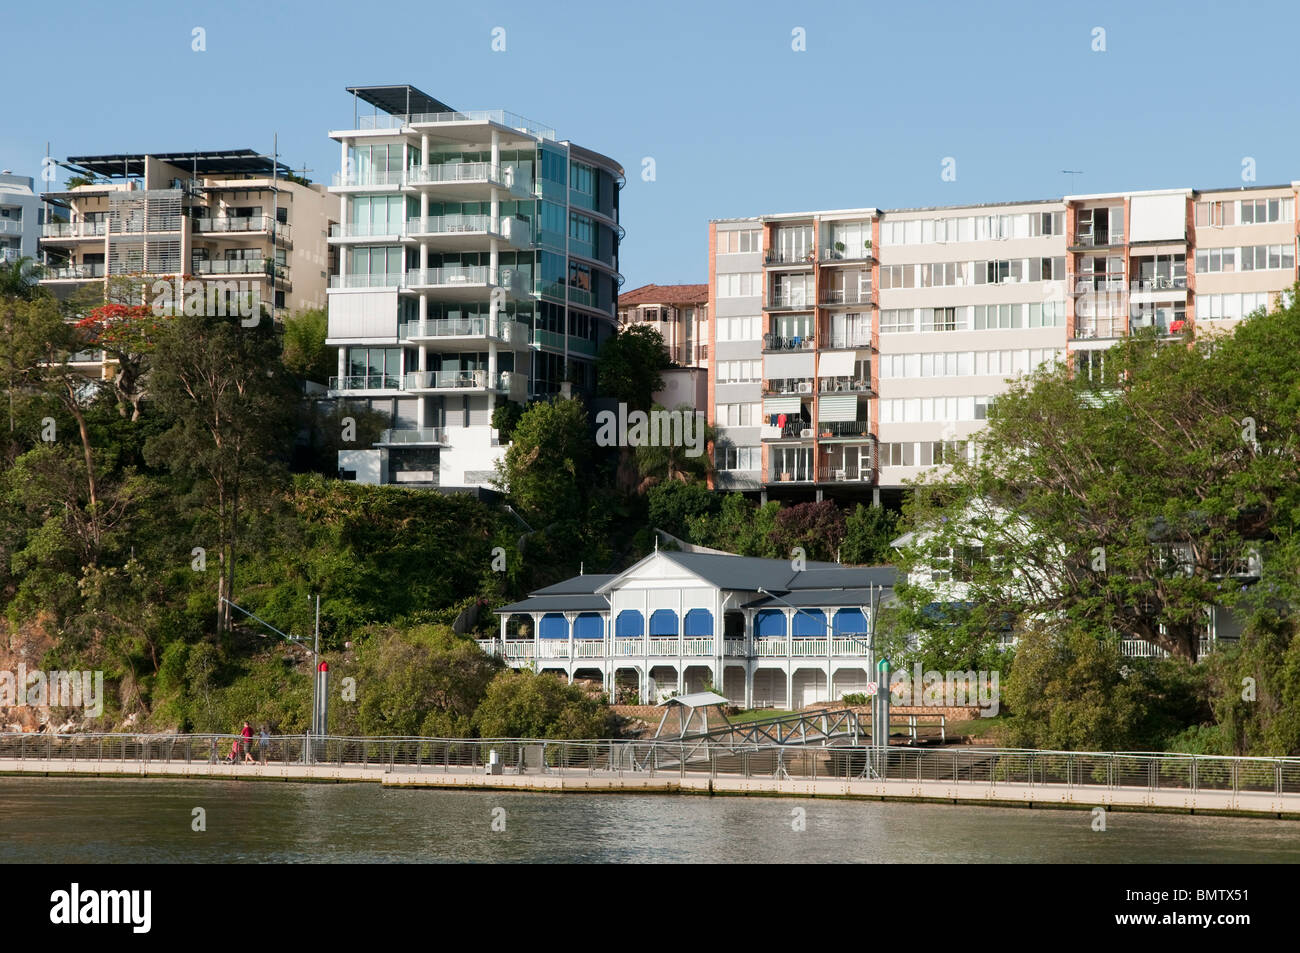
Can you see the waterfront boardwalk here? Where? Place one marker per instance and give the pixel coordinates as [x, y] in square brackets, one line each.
[687, 778]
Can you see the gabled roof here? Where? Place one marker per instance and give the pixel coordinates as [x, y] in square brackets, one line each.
[569, 603]
[664, 294]
[577, 584]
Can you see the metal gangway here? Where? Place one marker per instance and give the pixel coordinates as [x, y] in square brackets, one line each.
[697, 740]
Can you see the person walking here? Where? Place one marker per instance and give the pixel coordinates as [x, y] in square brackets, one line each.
[247, 734]
[264, 744]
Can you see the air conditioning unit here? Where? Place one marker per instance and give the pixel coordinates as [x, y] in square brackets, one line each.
[806, 433]
[805, 387]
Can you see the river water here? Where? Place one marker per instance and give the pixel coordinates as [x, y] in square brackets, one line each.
[141, 821]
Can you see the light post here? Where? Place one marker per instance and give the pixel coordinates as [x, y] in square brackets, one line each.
[318, 726]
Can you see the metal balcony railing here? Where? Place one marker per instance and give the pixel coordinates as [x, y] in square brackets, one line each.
[788, 386]
[74, 229]
[76, 272]
[849, 473]
[366, 382]
[847, 253]
[846, 296]
[370, 177]
[845, 385]
[1098, 239]
[435, 435]
[776, 256]
[776, 342]
[844, 428]
[801, 300]
[220, 224]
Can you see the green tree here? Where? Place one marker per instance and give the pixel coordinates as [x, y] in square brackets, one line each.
[525, 705]
[505, 418]
[220, 386]
[306, 355]
[629, 365]
[679, 460]
[547, 466]
[868, 532]
[1121, 506]
[673, 505]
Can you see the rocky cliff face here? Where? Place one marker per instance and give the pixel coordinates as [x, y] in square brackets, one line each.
[27, 645]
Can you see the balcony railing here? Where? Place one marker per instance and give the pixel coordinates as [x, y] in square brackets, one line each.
[476, 379]
[845, 385]
[844, 428]
[252, 223]
[1098, 239]
[792, 300]
[846, 339]
[366, 382]
[793, 430]
[435, 435]
[504, 328]
[1152, 283]
[777, 256]
[468, 172]
[390, 280]
[831, 253]
[854, 473]
[839, 645]
[801, 474]
[1084, 284]
[368, 230]
[74, 229]
[449, 224]
[846, 296]
[775, 342]
[788, 386]
[499, 116]
[371, 177]
[238, 266]
[1086, 328]
[76, 272]
[449, 275]
[10, 227]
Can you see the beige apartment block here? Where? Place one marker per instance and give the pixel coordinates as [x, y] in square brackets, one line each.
[857, 349]
[207, 216]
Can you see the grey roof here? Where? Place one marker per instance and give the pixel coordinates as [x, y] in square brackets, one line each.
[812, 598]
[740, 572]
[697, 700]
[577, 584]
[569, 603]
[227, 161]
[399, 99]
[844, 577]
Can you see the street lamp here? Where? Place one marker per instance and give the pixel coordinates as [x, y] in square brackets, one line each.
[318, 726]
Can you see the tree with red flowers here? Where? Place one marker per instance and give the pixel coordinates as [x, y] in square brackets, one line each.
[125, 327]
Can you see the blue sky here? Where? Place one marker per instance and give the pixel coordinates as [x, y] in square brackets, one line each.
[737, 122]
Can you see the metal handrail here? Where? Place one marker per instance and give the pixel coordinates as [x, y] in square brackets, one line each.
[1150, 771]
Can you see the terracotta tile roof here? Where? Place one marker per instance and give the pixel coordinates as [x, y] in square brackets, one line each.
[664, 294]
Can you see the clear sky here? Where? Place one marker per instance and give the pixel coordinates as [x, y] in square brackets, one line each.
[736, 120]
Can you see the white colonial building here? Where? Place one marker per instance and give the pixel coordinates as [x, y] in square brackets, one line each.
[759, 631]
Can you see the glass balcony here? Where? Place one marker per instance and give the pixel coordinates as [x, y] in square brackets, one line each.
[74, 229]
[366, 382]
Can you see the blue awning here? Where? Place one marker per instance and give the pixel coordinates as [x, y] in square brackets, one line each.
[553, 626]
[770, 622]
[850, 621]
[589, 626]
[699, 624]
[809, 623]
[629, 624]
[663, 622]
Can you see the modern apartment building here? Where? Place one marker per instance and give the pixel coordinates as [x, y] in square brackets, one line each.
[478, 262]
[678, 312]
[19, 217]
[214, 216]
[856, 349]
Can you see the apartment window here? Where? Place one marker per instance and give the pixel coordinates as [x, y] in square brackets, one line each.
[895, 320]
[739, 458]
[580, 177]
[739, 415]
[739, 329]
[1231, 306]
[1265, 211]
[944, 274]
[1213, 260]
[897, 276]
[1266, 257]
[744, 285]
[849, 239]
[1049, 314]
[738, 242]
[794, 243]
[1047, 269]
[739, 372]
[1216, 214]
[998, 316]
